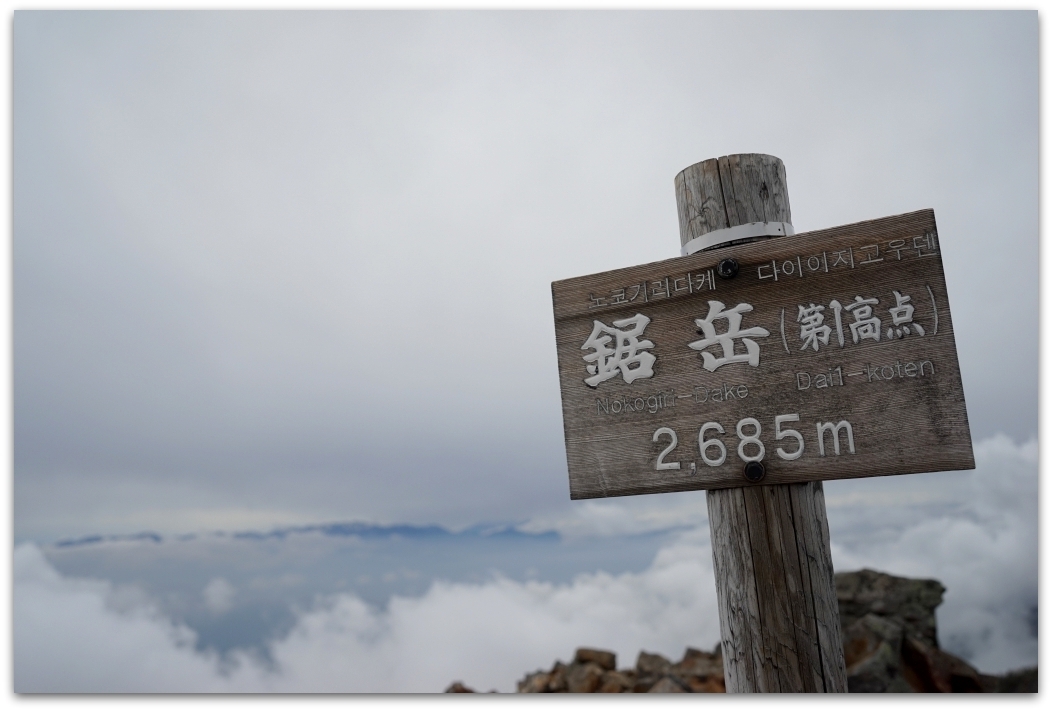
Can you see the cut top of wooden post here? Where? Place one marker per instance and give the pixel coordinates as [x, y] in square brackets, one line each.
[733, 190]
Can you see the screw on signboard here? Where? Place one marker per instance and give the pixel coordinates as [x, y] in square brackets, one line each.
[727, 268]
[754, 471]
[779, 620]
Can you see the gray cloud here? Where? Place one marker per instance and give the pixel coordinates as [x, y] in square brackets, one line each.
[297, 266]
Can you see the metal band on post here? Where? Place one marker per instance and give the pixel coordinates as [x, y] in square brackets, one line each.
[730, 234]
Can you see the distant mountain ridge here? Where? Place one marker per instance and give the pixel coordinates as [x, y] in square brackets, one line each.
[345, 529]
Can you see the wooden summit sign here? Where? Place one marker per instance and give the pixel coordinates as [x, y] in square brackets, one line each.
[826, 355]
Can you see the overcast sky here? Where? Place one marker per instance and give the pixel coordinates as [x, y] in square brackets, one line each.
[279, 268]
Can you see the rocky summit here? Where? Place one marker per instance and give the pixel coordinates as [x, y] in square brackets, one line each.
[890, 646]
[594, 671]
[887, 624]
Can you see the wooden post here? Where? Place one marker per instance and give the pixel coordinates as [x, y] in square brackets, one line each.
[779, 622]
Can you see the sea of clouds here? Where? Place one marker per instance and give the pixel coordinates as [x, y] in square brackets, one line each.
[82, 635]
[977, 532]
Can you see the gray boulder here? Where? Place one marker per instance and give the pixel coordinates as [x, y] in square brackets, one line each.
[910, 602]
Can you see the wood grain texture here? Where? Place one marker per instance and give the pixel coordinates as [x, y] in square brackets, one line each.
[736, 593]
[777, 642]
[699, 197]
[902, 396]
[779, 622]
[809, 512]
[730, 191]
[754, 189]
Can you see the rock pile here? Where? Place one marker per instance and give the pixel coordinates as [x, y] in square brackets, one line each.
[595, 671]
[890, 641]
[890, 645]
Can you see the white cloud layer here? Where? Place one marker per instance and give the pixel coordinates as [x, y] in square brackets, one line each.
[71, 635]
[91, 636]
[218, 595]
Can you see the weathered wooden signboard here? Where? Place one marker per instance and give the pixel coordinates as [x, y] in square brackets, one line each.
[827, 355]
